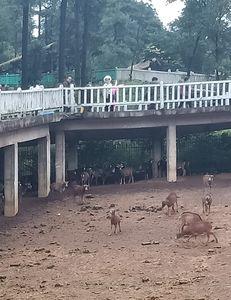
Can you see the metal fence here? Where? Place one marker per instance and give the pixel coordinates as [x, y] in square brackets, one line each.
[28, 165]
[102, 154]
[205, 152]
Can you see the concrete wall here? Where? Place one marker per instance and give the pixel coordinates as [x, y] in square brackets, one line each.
[166, 77]
[23, 135]
[123, 121]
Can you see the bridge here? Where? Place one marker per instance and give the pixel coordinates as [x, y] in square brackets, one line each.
[62, 115]
[123, 97]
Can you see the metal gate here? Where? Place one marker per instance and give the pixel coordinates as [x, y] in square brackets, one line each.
[28, 165]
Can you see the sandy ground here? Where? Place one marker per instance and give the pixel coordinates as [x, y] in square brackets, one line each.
[53, 250]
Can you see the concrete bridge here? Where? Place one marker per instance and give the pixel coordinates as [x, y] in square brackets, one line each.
[62, 115]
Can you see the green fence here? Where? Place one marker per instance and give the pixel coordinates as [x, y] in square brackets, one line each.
[49, 80]
[14, 80]
[100, 74]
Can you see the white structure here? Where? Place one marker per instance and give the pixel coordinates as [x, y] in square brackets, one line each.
[209, 104]
[128, 98]
[122, 74]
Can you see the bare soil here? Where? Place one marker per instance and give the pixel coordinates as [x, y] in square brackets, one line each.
[55, 249]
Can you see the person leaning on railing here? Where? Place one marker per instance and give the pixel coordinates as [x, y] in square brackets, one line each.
[110, 90]
[108, 85]
[67, 83]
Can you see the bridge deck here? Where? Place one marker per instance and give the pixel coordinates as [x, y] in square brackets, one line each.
[14, 104]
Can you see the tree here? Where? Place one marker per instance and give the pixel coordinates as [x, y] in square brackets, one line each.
[203, 45]
[91, 12]
[218, 31]
[77, 9]
[86, 10]
[190, 35]
[62, 40]
[127, 28]
[25, 36]
[145, 25]
[112, 33]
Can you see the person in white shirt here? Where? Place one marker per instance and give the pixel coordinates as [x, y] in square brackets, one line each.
[108, 85]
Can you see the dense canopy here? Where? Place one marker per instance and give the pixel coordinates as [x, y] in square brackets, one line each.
[101, 34]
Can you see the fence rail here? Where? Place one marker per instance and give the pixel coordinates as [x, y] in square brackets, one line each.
[116, 98]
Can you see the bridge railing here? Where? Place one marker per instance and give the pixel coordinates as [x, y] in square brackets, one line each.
[116, 98]
[157, 96]
[19, 103]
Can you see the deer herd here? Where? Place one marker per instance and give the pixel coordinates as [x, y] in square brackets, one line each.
[191, 224]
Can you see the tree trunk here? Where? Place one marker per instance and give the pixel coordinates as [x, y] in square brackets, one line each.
[85, 44]
[217, 58]
[131, 71]
[77, 43]
[135, 53]
[25, 36]
[46, 29]
[39, 19]
[193, 55]
[62, 39]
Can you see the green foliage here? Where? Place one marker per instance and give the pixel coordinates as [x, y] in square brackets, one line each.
[203, 36]
[161, 58]
[10, 33]
[120, 33]
[127, 28]
[207, 152]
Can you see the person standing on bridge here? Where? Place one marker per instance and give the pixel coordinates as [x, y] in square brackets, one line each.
[109, 92]
[68, 81]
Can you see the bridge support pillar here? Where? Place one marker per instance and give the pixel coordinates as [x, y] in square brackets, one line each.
[72, 157]
[156, 156]
[44, 166]
[60, 156]
[11, 180]
[171, 153]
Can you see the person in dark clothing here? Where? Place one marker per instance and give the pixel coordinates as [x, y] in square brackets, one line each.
[162, 167]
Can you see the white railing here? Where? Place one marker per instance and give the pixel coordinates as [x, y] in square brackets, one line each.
[158, 96]
[117, 98]
[19, 103]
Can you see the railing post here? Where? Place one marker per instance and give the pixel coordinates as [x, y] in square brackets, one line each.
[0, 104]
[227, 100]
[62, 96]
[72, 97]
[43, 104]
[161, 94]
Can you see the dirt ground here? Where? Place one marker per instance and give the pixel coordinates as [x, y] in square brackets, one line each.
[57, 250]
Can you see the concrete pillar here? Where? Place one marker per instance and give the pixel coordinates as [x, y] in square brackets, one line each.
[156, 156]
[44, 166]
[11, 180]
[171, 153]
[60, 156]
[72, 157]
